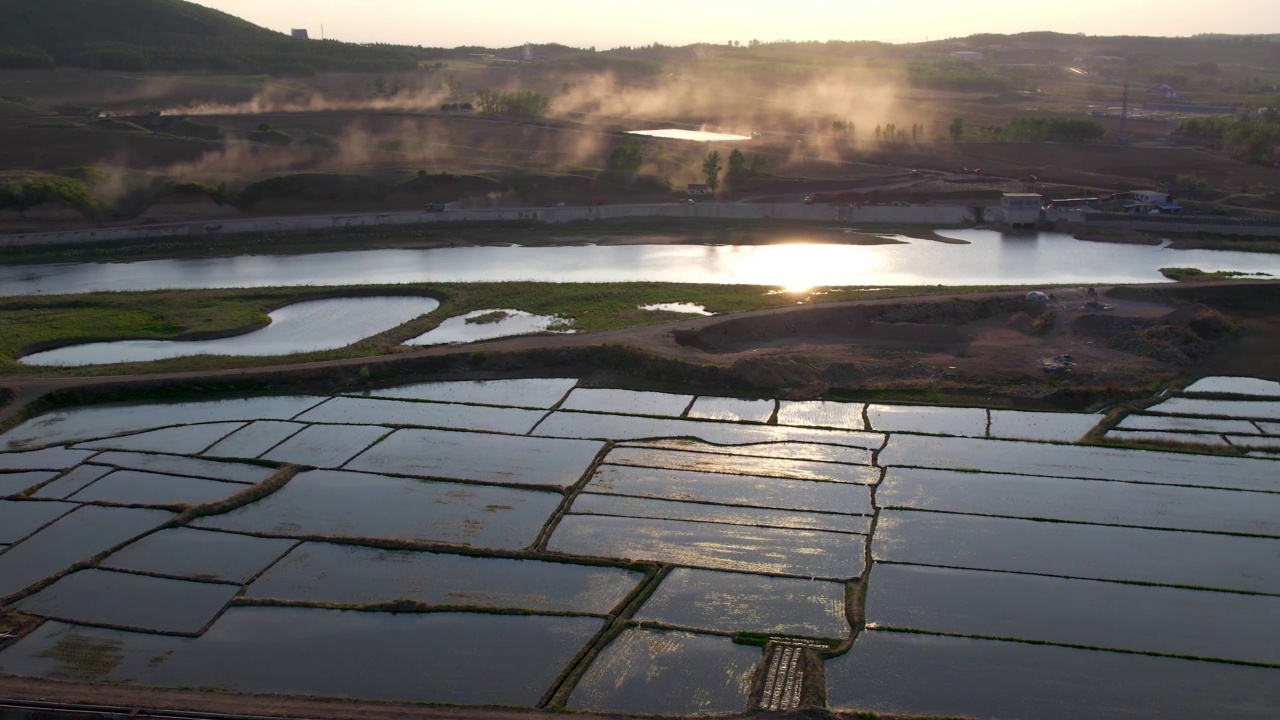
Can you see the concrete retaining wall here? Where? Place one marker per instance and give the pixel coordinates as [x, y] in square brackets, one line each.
[1157, 224]
[911, 214]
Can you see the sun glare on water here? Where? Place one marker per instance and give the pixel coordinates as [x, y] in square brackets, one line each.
[801, 267]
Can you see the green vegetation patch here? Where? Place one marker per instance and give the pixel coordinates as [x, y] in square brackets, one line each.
[489, 318]
[1185, 274]
[40, 323]
[28, 191]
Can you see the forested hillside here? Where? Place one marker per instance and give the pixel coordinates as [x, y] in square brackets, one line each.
[140, 35]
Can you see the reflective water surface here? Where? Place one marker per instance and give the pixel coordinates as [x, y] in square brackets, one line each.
[989, 258]
[302, 327]
[1095, 552]
[329, 573]
[652, 672]
[328, 502]
[895, 673]
[1171, 621]
[514, 322]
[102, 597]
[736, 602]
[200, 554]
[76, 536]
[1085, 501]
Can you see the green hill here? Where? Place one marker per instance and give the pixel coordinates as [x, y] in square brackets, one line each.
[140, 35]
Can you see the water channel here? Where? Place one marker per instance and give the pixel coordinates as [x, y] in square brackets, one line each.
[987, 258]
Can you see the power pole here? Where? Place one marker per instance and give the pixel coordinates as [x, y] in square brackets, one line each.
[1124, 116]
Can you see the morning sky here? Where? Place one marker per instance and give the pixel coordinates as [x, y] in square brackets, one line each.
[609, 23]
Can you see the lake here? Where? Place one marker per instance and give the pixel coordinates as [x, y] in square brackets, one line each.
[988, 258]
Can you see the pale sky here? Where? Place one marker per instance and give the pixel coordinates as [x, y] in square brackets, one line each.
[610, 23]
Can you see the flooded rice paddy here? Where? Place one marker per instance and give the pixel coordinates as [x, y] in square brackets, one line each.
[536, 393]
[1169, 621]
[648, 671]
[104, 597]
[299, 328]
[200, 555]
[352, 575]
[915, 674]
[985, 257]
[536, 544]
[331, 503]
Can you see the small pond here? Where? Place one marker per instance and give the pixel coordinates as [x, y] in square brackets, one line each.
[489, 324]
[302, 327]
[695, 135]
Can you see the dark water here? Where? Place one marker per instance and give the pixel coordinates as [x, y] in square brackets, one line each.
[1088, 501]
[529, 393]
[1084, 551]
[461, 658]
[941, 676]
[19, 519]
[102, 597]
[99, 421]
[481, 457]
[131, 487]
[1079, 461]
[1171, 621]
[182, 440]
[328, 502]
[76, 536]
[254, 439]
[186, 552]
[326, 446]
[736, 602]
[366, 411]
[667, 672]
[329, 573]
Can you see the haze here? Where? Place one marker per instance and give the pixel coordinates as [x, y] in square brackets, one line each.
[584, 23]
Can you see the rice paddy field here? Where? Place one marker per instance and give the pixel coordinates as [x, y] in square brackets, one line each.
[533, 543]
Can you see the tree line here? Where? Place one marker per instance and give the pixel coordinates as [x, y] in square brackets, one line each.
[526, 103]
[1252, 136]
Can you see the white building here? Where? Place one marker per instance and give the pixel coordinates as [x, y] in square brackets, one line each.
[967, 56]
[1021, 209]
[1150, 197]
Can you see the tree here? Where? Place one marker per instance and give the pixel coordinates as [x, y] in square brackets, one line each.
[758, 164]
[711, 168]
[627, 157]
[737, 163]
[956, 129]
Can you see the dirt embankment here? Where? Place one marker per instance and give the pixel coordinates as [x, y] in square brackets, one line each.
[995, 348]
[1075, 345]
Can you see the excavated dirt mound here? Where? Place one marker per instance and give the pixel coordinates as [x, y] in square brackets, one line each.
[1181, 338]
[926, 325]
[996, 344]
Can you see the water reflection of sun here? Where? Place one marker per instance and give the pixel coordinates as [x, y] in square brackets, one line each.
[799, 268]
